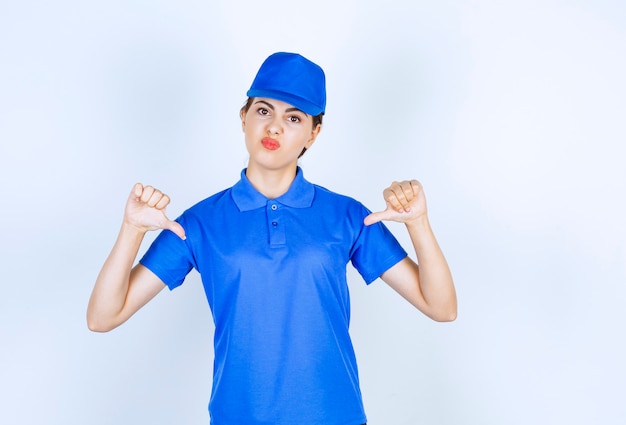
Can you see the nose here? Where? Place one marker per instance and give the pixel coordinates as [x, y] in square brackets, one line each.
[274, 126]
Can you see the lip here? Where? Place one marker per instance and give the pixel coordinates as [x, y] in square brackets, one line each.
[270, 144]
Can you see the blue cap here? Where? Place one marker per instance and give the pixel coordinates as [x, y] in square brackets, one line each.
[293, 79]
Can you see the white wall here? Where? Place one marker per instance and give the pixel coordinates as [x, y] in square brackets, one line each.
[512, 114]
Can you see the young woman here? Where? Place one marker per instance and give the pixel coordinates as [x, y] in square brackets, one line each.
[272, 252]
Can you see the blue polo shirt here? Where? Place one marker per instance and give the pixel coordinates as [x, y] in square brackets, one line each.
[274, 273]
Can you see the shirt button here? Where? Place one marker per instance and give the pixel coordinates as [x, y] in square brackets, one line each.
[274, 207]
[275, 224]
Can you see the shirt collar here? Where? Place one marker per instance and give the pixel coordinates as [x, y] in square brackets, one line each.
[299, 195]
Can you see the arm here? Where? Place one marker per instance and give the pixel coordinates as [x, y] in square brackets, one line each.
[121, 289]
[429, 285]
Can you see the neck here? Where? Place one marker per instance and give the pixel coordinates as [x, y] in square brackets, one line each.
[271, 183]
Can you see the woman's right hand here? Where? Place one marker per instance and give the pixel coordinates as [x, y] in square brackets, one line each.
[145, 210]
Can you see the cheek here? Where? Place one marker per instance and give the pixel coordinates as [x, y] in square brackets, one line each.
[247, 141]
[301, 132]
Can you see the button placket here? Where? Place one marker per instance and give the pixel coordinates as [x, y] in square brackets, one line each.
[275, 225]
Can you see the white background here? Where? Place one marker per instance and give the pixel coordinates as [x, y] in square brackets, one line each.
[512, 114]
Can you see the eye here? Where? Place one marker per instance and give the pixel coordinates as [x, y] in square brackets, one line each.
[294, 119]
[263, 111]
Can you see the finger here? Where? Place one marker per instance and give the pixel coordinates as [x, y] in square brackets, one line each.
[392, 200]
[156, 197]
[163, 202]
[175, 227]
[416, 187]
[405, 194]
[407, 190]
[137, 190]
[146, 194]
[376, 217]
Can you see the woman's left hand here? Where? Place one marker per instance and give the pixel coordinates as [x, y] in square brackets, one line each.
[405, 202]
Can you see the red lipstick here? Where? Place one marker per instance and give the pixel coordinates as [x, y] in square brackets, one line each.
[270, 144]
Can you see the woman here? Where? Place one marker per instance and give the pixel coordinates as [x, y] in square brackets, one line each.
[272, 252]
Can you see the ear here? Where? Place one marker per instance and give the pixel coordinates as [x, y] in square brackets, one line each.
[242, 115]
[314, 133]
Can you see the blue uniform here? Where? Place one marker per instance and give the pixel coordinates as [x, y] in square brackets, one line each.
[274, 273]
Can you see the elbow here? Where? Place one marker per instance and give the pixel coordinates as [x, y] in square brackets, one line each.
[444, 315]
[97, 325]
[438, 314]
[448, 317]
[446, 311]
[97, 328]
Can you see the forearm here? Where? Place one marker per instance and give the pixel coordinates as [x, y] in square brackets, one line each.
[111, 288]
[435, 278]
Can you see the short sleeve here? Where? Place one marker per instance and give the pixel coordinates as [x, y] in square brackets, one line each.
[375, 250]
[169, 257]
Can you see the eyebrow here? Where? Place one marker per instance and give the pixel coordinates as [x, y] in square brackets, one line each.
[269, 105]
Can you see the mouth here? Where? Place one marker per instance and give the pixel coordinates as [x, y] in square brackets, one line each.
[270, 144]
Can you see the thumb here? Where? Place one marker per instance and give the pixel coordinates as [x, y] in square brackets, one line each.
[375, 217]
[176, 228]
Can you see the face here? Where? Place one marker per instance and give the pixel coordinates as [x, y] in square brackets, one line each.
[276, 133]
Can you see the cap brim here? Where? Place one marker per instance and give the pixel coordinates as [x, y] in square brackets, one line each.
[295, 101]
